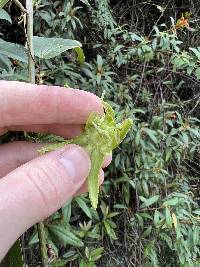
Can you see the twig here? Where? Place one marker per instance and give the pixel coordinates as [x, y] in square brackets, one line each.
[42, 242]
[17, 3]
[31, 63]
[31, 70]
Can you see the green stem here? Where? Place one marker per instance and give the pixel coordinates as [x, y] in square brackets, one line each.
[42, 243]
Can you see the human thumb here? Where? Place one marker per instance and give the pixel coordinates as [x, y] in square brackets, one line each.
[38, 188]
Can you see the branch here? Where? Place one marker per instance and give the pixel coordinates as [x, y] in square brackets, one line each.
[17, 3]
[31, 63]
[42, 243]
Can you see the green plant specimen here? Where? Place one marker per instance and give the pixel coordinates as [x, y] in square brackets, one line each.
[102, 134]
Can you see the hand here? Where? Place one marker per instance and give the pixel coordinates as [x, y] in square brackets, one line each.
[33, 187]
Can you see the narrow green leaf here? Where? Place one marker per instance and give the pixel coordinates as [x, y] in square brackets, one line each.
[151, 134]
[171, 202]
[167, 239]
[195, 236]
[33, 239]
[66, 211]
[168, 154]
[168, 218]
[80, 201]
[93, 178]
[150, 201]
[85, 2]
[69, 254]
[147, 231]
[196, 52]
[99, 62]
[197, 73]
[65, 236]
[96, 253]
[156, 217]
[110, 231]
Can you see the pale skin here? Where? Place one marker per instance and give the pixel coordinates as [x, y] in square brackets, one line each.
[32, 187]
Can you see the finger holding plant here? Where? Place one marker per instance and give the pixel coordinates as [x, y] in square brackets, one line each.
[100, 137]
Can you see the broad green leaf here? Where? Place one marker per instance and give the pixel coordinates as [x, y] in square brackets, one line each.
[5, 16]
[47, 48]
[14, 51]
[65, 236]
[81, 203]
[3, 3]
[101, 136]
[14, 258]
[150, 201]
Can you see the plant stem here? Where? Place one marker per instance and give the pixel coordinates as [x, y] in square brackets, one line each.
[31, 70]
[31, 63]
[42, 243]
[17, 3]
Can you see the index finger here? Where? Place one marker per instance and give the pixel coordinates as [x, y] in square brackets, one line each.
[25, 103]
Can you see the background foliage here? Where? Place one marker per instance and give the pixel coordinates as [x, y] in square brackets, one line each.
[145, 56]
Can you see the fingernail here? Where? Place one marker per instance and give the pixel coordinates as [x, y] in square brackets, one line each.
[77, 164]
